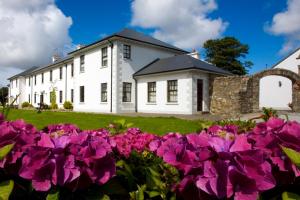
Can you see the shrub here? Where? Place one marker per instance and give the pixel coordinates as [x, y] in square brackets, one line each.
[26, 105]
[54, 106]
[68, 105]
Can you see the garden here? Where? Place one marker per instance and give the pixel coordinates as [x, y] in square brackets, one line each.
[225, 160]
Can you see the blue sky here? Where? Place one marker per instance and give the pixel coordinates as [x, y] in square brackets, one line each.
[246, 18]
[33, 30]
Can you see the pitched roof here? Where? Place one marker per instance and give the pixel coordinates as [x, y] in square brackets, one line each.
[24, 73]
[52, 64]
[136, 36]
[178, 63]
[287, 57]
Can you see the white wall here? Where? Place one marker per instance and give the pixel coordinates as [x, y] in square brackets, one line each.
[273, 95]
[92, 77]
[184, 84]
[291, 62]
[141, 55]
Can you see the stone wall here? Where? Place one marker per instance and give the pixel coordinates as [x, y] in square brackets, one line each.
[236, 95]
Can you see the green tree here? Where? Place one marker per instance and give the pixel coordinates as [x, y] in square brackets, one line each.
[228, 53]
[3, 95]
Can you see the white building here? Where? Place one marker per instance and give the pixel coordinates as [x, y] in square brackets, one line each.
[125, 72]
[276, 91]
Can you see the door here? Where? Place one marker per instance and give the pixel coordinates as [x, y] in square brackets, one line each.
[275, 92]
[199, 95]
[42, 98]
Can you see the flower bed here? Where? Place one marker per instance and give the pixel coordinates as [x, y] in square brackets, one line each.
[217, 163]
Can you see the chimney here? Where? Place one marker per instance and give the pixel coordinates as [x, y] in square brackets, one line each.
[79, 46]
[195, 54]
[55, 58]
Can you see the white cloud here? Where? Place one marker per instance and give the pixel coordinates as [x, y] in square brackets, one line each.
[31, 31]
[287, 24]
[185, 23]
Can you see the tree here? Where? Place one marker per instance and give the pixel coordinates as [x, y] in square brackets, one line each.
[3, 95]
[226, 53]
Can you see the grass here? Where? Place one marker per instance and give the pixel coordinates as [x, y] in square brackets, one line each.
[157, 125]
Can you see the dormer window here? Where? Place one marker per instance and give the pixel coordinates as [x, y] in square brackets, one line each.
[127, 51]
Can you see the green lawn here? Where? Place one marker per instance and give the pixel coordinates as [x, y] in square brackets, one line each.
[158, 125]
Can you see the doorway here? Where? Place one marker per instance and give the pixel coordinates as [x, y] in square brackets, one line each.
[199, 95]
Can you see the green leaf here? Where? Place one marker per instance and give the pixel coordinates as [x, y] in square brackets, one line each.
[140, 192]
[5, 150]
[153, 193]
[105, 197]
[53, 195]
[290, 196]
[292, 154]
[6, 188]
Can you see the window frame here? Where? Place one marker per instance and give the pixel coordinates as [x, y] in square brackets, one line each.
[82, 64]
[72, 95]
[60, 96]
[72, 69]
[60, 73]
[51, 75]
[81, 94]
[104, 57]
[170, 90]
[127, 51]
[151, 92]
[126, 97]
[103, 92]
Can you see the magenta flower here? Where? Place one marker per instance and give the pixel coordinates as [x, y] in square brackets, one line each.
[63, 159]
[132, 140]
[20, 134]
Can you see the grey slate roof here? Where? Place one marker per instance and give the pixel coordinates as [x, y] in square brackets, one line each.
[24, 73]
[177, 63]
[49, 65]
[136, 36]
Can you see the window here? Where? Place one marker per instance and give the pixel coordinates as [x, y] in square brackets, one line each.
[34, 79]
[104, 56]
[16, 82]
[34, 98]
[72, 95]
[72, 70]
[60, 96]
[82, 63]
[126, 51]
[126, 92]
[51, 75]
[29, 98]
[103, 92]
[60, 73]
[152, 92]
[42, 77]
[81, 95]
[29, 81]
[172, 91]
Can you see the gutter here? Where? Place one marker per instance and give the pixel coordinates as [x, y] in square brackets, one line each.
[66, 85]
[136, 97]
[111, 71]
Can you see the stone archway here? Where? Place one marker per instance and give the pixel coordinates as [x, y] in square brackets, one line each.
[295, 78]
